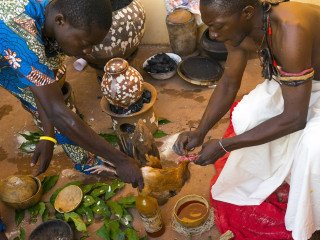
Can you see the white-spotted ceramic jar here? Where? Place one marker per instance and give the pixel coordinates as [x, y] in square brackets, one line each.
[121, 84]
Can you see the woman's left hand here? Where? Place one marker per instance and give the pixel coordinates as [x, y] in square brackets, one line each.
[44, 153]
[211, 151]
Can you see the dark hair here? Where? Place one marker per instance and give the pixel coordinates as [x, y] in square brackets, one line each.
[83, 14]
[229, 6]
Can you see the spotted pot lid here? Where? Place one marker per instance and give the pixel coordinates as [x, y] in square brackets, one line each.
[116, 65]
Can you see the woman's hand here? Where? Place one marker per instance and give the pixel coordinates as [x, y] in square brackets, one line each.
[187, 141]
[44, 153]
[211, 151]
[128, 171]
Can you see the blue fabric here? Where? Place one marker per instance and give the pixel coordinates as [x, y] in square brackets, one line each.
[17, 60]
[2, 226]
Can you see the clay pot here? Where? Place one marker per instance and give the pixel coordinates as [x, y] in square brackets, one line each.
[213, 48]
[53, 229]
[124, 36]
[121, 84]
[182, 31]
[20, 191]
[146, 113]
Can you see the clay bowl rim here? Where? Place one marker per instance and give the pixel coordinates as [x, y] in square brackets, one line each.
[189, 198]
[166, 75]
[76, 206]
[105, 105]
[50, 222]
[171, 23]
[39, 184]
[205, 39]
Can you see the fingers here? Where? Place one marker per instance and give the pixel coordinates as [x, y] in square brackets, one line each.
[179, 145]
[35, 157]
[140, 184]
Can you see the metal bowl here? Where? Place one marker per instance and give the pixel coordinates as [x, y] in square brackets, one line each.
[52, 230]
[166, 75]
[12, 191]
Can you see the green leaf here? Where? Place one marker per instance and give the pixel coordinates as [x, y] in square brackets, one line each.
[88, 201]
[27, 147]
[99, 184]
[49, 182]
[110, 138]
[159, 134]
[99, 191]
[87, 188]
[114, 226]
[19, 216]
[127, 202]
[22, 235]
[113, 187]
[116, 208]
[131, 234]
[104, 232]
[126, 218]
[78, 222]
[45, 215]
[42, 208]
[101, 208]
[55, 194]
[163, 121]
[59, 215]
[87, 213]
[144, 238]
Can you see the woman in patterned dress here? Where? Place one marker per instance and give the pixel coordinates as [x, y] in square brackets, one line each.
[34, 36]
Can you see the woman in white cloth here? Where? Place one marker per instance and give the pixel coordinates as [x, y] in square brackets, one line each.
[278, 123]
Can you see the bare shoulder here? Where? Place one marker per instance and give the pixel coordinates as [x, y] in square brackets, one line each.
[294, 35]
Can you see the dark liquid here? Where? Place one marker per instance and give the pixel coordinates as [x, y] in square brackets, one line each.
[157, 234]
[191, 211]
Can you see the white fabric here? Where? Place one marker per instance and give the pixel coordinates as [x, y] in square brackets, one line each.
[252, 174]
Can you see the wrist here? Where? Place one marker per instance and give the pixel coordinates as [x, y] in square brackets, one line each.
[201, 133]
[228, 144]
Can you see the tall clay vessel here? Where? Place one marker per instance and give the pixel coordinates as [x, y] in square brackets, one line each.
[124, 36]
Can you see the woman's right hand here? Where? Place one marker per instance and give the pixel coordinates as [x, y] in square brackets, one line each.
[128, 170]
[187, 141]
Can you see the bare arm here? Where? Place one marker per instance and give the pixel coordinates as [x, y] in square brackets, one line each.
[226, 90]
[294, 53]
[51, 100]
[219, 103]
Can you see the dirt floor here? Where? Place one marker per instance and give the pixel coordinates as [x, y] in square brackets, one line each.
[178, 101]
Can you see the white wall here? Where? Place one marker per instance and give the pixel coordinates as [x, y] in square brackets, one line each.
[156, 30]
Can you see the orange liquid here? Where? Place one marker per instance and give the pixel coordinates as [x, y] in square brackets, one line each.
[191, 211]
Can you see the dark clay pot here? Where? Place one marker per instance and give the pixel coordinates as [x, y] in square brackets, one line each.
[213, 48]
[53, 229]
[124, 36]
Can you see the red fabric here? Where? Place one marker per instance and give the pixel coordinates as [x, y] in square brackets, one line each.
[263, 222]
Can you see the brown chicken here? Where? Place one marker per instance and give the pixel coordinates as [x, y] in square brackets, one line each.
[161, 183]
[138, 142]
[164, 183]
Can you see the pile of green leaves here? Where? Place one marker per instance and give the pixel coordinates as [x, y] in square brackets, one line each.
[96, 205]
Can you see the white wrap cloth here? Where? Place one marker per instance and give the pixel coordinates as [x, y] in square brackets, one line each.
[252, 174]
